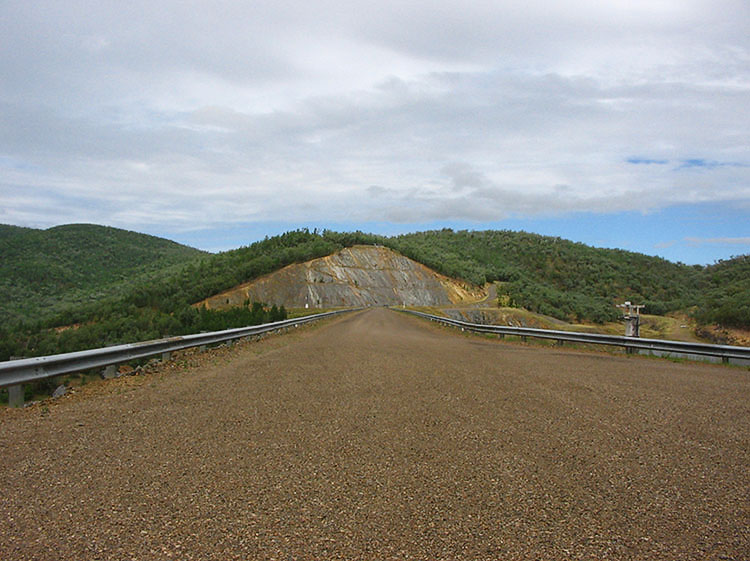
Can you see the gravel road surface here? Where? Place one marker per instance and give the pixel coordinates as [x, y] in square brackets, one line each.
[380, 436]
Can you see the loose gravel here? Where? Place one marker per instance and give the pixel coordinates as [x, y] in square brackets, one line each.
[380, 436]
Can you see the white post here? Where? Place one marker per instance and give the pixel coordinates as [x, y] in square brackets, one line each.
[632, 318]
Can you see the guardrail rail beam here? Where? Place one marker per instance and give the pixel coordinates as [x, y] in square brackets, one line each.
[728, 354]
[15, 373]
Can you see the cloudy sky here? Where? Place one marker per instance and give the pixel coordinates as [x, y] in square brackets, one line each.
[618, 123]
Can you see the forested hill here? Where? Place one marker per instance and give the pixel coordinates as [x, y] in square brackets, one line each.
[151, 304]
[117, 286]
[45, 271]
[726, 293]
[8, 231]
[557, 277]
[574, 281]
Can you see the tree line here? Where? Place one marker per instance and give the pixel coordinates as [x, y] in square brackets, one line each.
[548, 275]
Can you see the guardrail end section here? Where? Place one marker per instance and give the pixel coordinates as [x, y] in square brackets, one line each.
[15, 395]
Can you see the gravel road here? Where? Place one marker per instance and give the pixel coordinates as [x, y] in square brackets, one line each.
[380, 436]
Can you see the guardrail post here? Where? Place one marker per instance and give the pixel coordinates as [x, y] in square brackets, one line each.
[166, 356]
[15, 395]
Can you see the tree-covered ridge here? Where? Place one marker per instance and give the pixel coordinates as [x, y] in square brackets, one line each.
[543, 274]
[43, 272]
[160, 304]
[726, 293]
[556, 277]
[8, 231]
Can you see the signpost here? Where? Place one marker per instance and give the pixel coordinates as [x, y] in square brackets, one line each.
[632, 318]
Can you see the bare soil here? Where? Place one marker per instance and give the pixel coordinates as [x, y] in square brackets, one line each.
[357, 276]
[380, 436]
[726, 335]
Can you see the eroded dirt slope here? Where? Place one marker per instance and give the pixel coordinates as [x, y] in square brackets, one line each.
[356, 276]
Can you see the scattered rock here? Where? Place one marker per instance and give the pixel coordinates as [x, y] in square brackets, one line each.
[125, 370]
[60, 391]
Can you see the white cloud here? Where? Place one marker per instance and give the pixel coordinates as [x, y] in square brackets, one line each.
[207, 113]
[693, 241]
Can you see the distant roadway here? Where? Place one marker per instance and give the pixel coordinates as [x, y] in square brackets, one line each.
[381, 436]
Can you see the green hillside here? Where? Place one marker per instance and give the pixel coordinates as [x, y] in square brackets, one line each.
[43, 272]
[726, 293]
[8, 231]
[155, 303]
[115, 286]
[557, 277]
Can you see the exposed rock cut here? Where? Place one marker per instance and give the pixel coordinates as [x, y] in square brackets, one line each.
[356, 276]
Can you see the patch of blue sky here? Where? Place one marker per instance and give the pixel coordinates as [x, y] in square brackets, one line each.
[646, 161]
[238, 235]
[701, 163]
[692, 234]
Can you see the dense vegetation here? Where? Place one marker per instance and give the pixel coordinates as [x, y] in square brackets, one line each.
[556, 277]
[726, 293]
[160, 304]
[43, 272]
[98, 292]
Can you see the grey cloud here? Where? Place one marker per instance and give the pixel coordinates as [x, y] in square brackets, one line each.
[463, 176]
[377, 191]
[411, 111]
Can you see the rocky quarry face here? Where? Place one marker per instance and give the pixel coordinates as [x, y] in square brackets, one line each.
[356, 276]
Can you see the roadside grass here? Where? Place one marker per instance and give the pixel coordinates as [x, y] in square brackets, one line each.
[580, 347]
[674, 327]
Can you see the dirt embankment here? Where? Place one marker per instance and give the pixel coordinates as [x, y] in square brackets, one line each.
[725, 335]
[356, 276]
[380, 436]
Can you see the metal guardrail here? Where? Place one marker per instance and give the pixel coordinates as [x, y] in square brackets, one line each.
[659, 347]
[15, 373]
